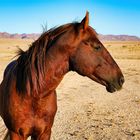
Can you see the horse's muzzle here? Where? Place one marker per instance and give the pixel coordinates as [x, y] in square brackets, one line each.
[115, 85]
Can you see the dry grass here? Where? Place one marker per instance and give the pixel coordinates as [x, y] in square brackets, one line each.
[124, 50]
[8, 47]
[14, 42]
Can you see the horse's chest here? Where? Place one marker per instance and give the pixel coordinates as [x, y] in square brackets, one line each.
[32, 114]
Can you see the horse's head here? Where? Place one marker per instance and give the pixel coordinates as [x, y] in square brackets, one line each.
[90, 58]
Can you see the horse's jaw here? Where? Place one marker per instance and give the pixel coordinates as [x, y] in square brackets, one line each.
[110, 87]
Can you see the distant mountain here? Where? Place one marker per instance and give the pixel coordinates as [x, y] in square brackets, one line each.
[19, 36]
[102, 37]
[118, 38]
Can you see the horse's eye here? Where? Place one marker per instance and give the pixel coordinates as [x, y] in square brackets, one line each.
[98, 47]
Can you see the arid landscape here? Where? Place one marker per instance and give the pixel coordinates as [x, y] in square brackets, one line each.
[86, 111]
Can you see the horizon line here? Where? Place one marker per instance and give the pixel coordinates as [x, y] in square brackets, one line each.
[48, 29]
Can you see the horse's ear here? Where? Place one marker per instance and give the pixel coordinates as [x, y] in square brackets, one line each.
[85, 22]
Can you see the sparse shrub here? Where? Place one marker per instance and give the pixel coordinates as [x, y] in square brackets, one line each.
[109, 45]
[124, 46]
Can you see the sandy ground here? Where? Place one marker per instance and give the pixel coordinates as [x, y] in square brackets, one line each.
[86, 111]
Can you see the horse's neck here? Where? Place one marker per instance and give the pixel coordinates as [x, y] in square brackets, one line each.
[57, 65]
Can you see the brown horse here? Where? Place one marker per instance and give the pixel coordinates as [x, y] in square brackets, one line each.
[27, 93]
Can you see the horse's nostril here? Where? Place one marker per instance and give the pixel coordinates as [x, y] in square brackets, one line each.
[121, 81]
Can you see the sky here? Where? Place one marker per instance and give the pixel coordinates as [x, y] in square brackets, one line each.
[106, 16]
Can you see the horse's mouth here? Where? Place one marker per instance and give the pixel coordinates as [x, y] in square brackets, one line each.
[110, 87]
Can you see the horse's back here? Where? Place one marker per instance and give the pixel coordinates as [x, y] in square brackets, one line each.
[9, 67]
[5, 85]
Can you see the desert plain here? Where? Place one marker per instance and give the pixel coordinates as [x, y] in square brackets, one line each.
[86, 111]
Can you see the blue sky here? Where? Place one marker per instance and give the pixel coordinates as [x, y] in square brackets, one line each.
[106, 16]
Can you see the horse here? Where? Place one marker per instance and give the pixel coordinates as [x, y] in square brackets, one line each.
[28, 101]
